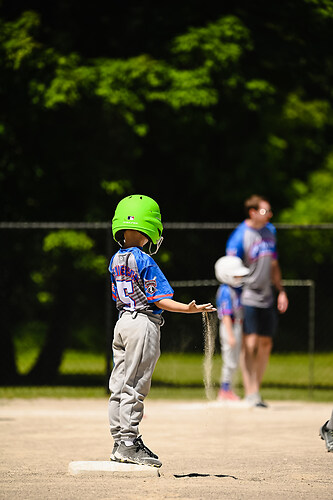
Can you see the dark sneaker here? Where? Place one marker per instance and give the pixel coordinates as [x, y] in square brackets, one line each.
[255, 400]
[327, 435]
[261, 404]
[112, 456]
[138, 453]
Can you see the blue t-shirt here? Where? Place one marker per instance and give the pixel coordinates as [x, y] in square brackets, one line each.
[137, 281]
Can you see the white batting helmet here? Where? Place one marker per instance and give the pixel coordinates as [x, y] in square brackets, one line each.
[230, 270]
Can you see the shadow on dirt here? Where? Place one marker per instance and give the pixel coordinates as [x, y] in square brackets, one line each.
[196, 474]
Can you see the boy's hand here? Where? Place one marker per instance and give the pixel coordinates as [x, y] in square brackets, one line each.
[173, 306]
[194, 308]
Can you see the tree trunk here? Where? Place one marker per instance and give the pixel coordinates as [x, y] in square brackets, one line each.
[46, 368]
[8, 370]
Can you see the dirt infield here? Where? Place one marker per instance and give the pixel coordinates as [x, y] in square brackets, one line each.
[208, 451]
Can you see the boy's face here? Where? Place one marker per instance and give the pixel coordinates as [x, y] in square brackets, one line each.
[239, 281]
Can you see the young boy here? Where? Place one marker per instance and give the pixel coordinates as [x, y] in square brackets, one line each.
[231, 272]
[141, 292]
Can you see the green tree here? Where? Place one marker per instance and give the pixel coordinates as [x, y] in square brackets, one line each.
[67, 272]
[197, 107]
[225, 96]
[313, 199]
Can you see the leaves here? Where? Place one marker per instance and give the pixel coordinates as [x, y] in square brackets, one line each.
[17, 40]
[219, 44]
[313, 114]
[314, 198]
[217, 86]
[64, 239]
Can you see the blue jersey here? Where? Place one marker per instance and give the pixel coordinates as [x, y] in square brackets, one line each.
[257, 248]
[228, 302]
[137, 281]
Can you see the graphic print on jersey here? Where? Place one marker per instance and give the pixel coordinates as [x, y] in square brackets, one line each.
[125, 290]
[261, 248]
[151, 286]
[137, 281]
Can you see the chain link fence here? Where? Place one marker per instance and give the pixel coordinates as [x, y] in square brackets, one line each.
[57, 316]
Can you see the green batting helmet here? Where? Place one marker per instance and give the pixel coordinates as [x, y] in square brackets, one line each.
[140, 213]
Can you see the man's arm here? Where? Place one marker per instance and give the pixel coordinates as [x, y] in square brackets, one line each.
[282, 300]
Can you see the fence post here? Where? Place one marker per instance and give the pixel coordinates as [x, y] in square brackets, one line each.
[109, 311]
[311, 335]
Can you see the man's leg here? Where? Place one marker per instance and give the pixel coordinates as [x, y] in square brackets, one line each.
[267, 328]
[265, 345]
[248, 363]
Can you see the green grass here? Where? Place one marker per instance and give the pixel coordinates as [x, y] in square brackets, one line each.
[74, 362]
[59, 392]
[180, 376]
[286, 378]
[290, 369]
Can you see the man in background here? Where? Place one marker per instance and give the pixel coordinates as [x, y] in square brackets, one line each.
[254, 241]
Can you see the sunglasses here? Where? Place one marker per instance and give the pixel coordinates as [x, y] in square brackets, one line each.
[264, 211]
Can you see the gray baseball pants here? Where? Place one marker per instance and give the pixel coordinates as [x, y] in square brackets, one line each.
[136, 349]
[230, 355]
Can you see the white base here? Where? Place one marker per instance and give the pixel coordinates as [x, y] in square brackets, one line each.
[113, 467]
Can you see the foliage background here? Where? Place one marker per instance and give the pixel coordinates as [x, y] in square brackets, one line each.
[196, 104]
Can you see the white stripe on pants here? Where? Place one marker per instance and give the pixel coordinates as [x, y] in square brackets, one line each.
[136, 349]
